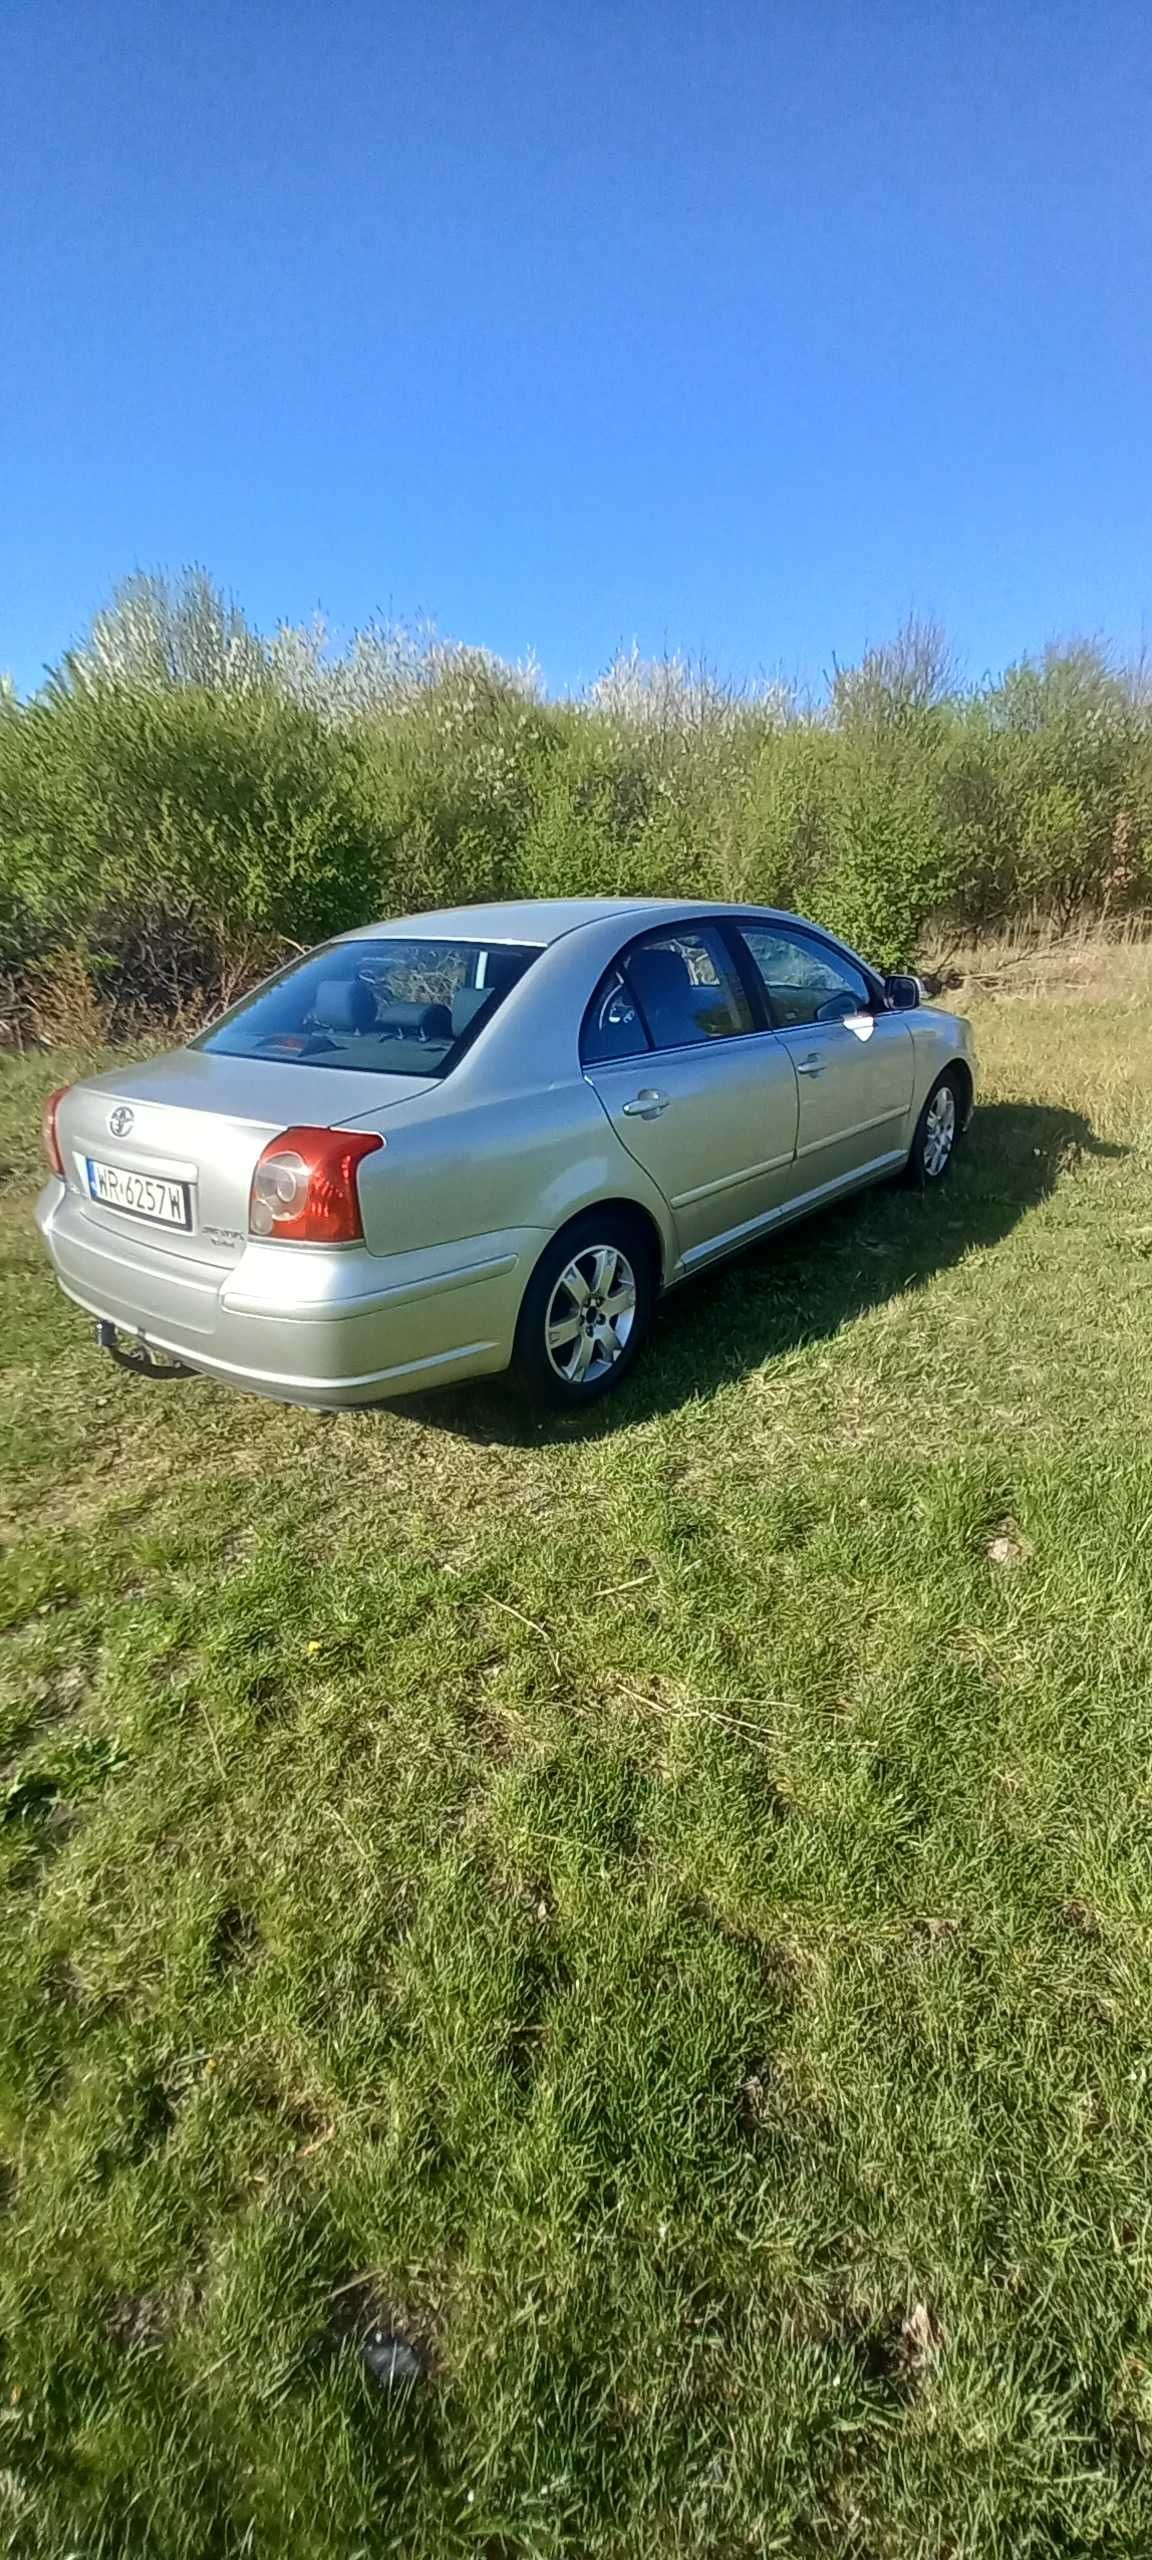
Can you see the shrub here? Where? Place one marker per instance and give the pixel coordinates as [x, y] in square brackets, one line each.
[185, 799]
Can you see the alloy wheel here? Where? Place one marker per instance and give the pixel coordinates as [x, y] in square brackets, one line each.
[590, 1314]
[939, 1131]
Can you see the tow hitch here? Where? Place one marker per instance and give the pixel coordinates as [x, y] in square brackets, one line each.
[142, 1362]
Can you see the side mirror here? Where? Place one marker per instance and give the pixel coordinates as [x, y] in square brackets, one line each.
[903, 994]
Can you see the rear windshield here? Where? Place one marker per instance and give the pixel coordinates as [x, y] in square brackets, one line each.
[388, 1008]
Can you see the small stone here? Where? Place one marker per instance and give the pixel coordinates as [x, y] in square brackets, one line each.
[391, 2360]
[379, 2332]
[1009, 1546]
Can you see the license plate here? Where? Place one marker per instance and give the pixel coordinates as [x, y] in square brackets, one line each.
[143, 1195]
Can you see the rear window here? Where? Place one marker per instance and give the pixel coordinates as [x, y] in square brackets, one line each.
[389, 1008]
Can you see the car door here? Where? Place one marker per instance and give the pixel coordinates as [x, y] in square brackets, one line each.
[854, 1062]
[700, 1094]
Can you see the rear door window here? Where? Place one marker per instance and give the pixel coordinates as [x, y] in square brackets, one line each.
[686, 988]
[612, 1024]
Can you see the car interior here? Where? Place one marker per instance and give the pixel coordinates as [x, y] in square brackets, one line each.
[387, 1008]
[669, 994]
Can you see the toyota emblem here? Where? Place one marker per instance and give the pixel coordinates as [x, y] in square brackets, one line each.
[120, 1120]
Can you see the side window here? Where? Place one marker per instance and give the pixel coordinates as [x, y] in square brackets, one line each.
[686, 987]
[612, 1025]
[805, 981]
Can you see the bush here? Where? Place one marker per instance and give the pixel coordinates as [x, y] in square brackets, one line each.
[186, 799]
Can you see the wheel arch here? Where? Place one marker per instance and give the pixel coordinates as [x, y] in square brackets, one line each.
[964, 1081]
[618, 1205]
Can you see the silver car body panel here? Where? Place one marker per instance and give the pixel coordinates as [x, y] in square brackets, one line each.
[477, 1171]
[715, 1128]
[857, 1080]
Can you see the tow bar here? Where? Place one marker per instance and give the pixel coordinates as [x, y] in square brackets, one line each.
[142, 1362]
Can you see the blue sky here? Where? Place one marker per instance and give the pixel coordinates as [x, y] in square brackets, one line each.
[736, 329]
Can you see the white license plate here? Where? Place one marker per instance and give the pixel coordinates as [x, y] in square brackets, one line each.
[143, 1195]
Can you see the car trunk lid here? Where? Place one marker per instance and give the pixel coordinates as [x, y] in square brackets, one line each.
[179, 1138]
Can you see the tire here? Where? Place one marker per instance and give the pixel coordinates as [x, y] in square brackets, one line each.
[938, 1132]
[573, 1350]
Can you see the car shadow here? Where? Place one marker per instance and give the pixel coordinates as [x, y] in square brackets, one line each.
[808, 1282]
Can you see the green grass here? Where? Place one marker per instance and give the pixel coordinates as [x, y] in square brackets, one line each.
[659, 1912]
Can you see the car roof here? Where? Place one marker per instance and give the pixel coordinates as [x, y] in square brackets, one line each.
[542, 920]
[534, 920]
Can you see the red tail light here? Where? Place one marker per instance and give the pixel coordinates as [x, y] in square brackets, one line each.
[49, 1131]
[304, 1187]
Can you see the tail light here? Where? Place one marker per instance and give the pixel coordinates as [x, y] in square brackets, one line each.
[49, 1131]
[304, 1187]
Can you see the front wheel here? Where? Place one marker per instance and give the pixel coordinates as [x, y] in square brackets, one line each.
[937, 1131]
[587, 1313]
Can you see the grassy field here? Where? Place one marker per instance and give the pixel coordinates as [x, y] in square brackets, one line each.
[654, 1921]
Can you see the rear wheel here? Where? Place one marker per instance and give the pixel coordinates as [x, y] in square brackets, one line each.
[937, 1131]
[587, 1312]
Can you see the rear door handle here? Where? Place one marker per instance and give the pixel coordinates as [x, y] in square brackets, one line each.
[808, 1067]
[647, 1104]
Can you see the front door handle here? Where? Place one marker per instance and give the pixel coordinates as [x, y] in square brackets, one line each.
[647, 1104]
[810, 1066]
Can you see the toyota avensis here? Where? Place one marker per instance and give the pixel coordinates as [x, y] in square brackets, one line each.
[487, 1139]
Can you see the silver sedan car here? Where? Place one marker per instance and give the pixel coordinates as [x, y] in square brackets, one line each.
[487, 1139]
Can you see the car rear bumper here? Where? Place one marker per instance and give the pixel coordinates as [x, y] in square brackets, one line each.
[298, 1323]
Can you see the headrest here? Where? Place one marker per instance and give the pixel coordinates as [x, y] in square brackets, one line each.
[660, 975]
[344, 1004]
[415, 1021]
